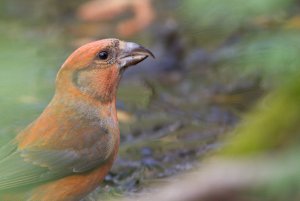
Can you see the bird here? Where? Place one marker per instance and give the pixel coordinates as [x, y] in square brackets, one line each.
[67, 151]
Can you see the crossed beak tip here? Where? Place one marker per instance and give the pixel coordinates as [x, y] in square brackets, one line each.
[132, 54]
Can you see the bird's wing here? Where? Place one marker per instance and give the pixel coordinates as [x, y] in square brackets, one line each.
[35, 165]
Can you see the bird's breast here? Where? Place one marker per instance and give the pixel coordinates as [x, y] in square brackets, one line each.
[73, 187]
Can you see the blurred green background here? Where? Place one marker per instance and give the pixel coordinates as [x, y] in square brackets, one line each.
[225, 81]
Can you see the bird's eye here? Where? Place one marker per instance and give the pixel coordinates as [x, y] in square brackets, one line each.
[103, 55]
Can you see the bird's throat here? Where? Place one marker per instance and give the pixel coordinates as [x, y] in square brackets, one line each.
[100, 84]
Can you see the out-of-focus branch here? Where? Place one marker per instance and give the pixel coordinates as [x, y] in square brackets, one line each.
[105, 10]
[225, 180]
[260, 156]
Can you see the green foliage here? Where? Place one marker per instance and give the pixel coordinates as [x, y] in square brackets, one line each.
[220, 17]
[257, 37]
[248, 36]
[274, 124]
[271, 131]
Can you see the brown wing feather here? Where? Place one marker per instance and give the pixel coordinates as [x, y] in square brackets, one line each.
[34, 165]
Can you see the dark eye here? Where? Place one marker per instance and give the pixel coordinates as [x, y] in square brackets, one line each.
[103, 55]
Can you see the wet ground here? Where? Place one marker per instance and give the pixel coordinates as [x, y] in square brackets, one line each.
[168, 127]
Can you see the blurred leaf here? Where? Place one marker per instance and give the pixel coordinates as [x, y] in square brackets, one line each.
[273, 125]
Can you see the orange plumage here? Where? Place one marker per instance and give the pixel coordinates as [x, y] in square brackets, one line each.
[70, 147]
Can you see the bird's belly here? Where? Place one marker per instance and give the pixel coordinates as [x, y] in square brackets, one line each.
[71, 188]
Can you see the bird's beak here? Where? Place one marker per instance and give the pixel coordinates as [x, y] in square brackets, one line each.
[132, 53]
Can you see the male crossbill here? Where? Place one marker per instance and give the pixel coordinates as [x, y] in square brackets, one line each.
[70, 147]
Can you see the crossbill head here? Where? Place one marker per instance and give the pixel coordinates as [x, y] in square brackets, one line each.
[95, 68]
[107, 53]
